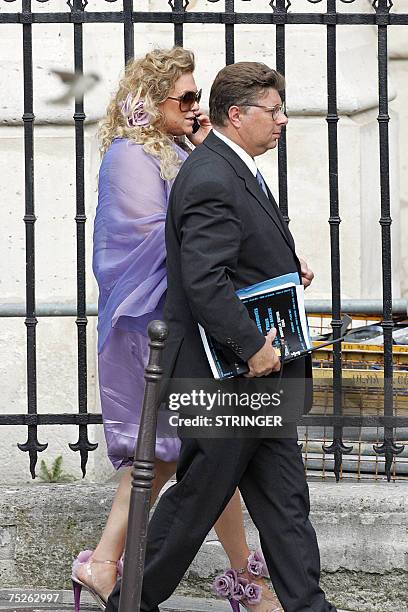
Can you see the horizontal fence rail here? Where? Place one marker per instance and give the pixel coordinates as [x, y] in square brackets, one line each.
[277, 14]
[226, 18]
[61, 309]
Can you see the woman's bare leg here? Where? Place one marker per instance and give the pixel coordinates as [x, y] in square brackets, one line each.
[112, 542]
[231, 533]
[229, 528]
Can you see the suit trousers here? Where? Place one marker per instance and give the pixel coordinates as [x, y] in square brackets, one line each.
[270, 475]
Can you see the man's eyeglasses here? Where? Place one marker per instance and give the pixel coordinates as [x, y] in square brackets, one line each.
[187, 100]
[274, 110]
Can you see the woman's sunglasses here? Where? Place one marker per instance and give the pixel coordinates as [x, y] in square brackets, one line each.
[187, 100]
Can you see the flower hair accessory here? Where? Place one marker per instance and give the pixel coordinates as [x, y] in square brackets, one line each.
[136, 117]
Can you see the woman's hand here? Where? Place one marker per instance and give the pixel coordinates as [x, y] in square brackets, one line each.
[202, 133]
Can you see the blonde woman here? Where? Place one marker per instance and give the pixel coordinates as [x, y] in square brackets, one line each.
[157, 101]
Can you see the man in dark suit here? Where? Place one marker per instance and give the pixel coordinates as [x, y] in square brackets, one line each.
[224, 231]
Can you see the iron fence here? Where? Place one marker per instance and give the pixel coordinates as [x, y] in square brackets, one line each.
[278, 15]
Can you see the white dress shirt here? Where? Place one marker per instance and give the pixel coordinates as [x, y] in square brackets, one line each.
[247, 159]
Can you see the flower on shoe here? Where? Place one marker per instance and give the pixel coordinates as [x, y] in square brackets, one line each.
[239, 591]
[253, 593]
[136, 117]
[256, 564]
[225, 585]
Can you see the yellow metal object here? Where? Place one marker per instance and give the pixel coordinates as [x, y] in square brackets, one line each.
[361, 355]
[362, 375]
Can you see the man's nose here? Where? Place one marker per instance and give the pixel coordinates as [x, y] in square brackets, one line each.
[282, 119]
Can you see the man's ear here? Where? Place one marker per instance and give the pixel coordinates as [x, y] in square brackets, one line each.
[234, 115]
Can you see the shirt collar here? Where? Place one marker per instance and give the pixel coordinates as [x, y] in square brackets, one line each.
[247, 159]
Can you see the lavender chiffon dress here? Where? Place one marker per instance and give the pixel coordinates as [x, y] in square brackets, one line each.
[129, 263]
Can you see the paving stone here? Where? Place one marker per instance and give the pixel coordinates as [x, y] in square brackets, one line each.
[176, 603]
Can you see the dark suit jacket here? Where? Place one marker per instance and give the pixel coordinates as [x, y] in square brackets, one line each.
[222, 233]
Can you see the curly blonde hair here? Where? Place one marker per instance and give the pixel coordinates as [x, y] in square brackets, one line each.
[150, 78]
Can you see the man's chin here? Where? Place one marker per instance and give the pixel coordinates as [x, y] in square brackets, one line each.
[273, 144]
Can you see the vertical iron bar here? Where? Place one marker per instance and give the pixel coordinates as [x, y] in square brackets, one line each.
[178, 10]
[128, 30]
[32, 446]
[281, 10]
[388, 448]
[337, 447]
[142, 476]
[229, 34]
[83, 445]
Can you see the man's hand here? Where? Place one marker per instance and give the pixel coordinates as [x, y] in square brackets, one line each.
[307, 274]
[265, 360]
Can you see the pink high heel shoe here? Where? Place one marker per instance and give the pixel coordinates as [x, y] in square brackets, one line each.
[240, 591]
[85, 559]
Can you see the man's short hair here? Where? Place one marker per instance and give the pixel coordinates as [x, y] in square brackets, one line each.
[241, 84]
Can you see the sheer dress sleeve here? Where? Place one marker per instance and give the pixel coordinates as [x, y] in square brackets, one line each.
[129, 256]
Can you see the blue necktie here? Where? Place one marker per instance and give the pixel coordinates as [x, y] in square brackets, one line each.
[261, 182]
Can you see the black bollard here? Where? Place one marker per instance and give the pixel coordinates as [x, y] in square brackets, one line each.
[142, 476]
